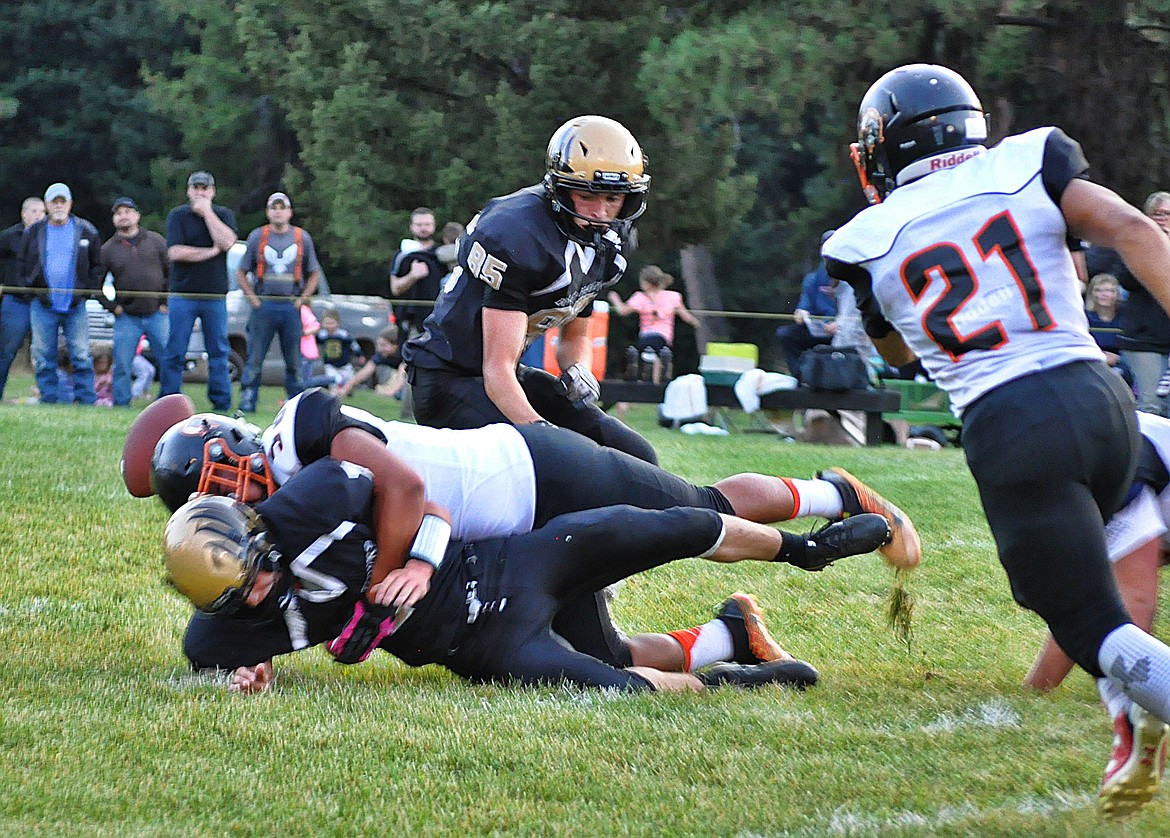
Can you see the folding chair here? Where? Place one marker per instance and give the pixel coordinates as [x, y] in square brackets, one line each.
[722, 365]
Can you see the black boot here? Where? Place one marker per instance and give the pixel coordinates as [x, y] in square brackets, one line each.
[856, 534]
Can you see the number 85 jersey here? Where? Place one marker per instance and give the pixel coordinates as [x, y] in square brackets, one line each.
[970, 264]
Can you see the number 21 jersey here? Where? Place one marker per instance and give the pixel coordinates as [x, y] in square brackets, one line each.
[971, 265]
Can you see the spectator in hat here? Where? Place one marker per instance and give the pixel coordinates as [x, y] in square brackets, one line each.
[61, 261]
[285, 273]
[199, 235]
[137, 259]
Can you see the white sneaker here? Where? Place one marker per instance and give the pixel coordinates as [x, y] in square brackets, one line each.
[1135, 770]
[1163, 388]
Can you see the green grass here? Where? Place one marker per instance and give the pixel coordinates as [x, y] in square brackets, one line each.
[103, 731]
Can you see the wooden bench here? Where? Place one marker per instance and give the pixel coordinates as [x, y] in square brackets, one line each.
[873, 403]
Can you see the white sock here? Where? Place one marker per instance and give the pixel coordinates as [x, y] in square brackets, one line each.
[1140, 663]
[713, 645]
[815, 497]
[1113, 697]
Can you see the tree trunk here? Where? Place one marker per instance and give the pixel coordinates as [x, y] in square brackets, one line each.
[698, 274]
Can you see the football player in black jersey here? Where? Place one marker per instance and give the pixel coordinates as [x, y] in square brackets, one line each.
[562, 472]
[289, 575]
[530, 261]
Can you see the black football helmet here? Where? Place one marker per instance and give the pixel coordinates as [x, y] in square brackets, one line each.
[595, 154]
[215, 548]
[209, 453]
[911, 113]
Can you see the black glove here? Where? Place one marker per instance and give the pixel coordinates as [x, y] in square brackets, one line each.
[368, 626]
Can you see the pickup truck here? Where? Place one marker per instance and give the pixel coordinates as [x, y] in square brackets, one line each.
[362, 316]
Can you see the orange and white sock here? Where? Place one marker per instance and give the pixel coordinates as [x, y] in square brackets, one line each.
[704, 645]
[814, 497]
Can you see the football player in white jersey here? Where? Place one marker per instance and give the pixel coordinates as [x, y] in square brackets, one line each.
[963, 263]
[1137, 538]
[431, 485]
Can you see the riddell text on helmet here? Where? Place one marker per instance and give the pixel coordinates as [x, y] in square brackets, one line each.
[955, 159]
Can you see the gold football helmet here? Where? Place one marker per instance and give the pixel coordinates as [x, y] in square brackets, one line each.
[214, 551]
[596, 154]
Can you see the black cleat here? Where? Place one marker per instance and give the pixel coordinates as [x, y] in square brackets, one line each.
[854, 535]
[784, 673]
[750, 638]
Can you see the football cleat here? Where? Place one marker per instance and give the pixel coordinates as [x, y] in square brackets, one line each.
[904, 550]
[751, 640]
[784, 673]
[1135, 770]
[853, 536]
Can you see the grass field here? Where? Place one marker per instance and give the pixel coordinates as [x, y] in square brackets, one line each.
[103, 730]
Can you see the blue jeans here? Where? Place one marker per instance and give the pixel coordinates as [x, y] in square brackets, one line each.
[213, 316]
[274, 317]
[128, 328]
[1147, 368]
[45, 324]
[13, 330]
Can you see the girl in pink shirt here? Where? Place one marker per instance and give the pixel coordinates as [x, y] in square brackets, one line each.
[656, 308]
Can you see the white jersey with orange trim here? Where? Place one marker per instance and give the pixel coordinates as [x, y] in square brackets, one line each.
[970, 264]
[484, 477]
[1146, 515]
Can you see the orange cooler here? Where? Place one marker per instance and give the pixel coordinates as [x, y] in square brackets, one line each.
[598, 334]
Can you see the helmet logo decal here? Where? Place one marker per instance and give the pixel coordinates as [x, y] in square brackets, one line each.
[872, 133]
[938, 162]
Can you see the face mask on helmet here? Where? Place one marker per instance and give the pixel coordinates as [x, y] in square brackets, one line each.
[211, 454]
[595, 154]
[908, 121]
[214, 550]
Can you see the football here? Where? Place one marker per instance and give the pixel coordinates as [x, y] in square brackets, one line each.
[145, 432]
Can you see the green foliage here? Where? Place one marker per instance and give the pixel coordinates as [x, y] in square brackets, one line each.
[366, 109]
[72, 105]
[104, 731]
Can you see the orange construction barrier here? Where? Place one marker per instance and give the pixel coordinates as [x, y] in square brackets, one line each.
[598, 333]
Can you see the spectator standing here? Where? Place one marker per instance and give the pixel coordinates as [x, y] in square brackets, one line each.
[1145, 339]
[416, 272]
[310, 325]
[811, 325]
[284, 263]
[137, 259]
[61, 256]
[199, 235]
[448, 251]
[1106, 314]
[14, 305]
[530, 261]
[656, 307]
[103, 374]
[143, 371]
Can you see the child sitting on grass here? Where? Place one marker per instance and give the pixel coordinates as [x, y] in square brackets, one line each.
[386, 356]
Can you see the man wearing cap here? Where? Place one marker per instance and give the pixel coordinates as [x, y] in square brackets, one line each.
[14, 304]
[138, 261]
[285, 272]
[199, 235]
[61, 261]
